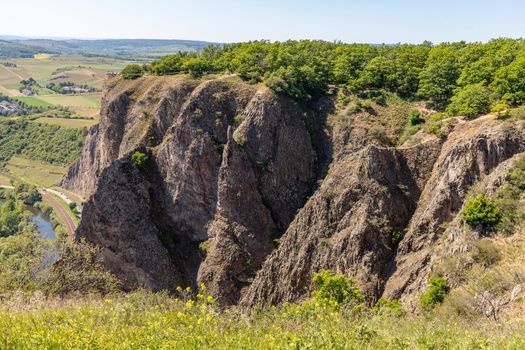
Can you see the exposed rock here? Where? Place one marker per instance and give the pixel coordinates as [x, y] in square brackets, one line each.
[235, 169]
[240, 191]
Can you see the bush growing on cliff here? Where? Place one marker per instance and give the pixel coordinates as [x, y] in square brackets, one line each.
[335, 289]
[415, 118]
[139, 159]
[437, 289]
[481, 211]
[132, 71]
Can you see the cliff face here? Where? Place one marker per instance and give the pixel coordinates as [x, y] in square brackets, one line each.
[228, 167]
[249, 193]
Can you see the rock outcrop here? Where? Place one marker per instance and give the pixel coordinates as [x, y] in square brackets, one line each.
[228, 168]
[247, 192]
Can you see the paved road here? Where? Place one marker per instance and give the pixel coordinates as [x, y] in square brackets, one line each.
[62, 214]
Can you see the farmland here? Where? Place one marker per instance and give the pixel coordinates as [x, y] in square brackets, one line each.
[61, 118]
[46, 69]
[35, 172]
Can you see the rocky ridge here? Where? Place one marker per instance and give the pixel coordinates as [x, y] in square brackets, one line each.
[251, 193]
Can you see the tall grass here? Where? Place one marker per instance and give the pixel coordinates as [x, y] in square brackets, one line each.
[145, 320]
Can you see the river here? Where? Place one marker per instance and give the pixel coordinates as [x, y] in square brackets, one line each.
[41, 220]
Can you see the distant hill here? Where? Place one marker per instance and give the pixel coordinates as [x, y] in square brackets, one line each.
[19, 50]
[140, 49]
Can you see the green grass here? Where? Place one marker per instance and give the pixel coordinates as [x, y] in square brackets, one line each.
[4, 180]
[36, 172]
[87, 101]
[155, 321]
[70, 123]
[35, 101]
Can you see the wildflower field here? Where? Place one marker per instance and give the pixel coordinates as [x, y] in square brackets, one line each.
[144, 320]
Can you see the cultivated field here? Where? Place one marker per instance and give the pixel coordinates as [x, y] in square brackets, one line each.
[71, 123]
[35, 172]
[46, 69]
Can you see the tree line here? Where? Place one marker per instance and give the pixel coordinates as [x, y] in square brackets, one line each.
[466, 77]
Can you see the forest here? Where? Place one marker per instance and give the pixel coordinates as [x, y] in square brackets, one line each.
[462, 78]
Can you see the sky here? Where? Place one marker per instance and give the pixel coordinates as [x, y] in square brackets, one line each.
[367, 21]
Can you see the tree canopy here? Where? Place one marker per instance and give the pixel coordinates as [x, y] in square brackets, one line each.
[456, 73]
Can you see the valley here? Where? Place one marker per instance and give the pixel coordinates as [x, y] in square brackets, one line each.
[262, 194]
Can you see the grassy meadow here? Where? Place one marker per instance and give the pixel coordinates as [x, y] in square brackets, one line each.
[144, 320]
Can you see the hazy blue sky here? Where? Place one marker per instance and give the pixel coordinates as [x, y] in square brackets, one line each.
[372, 21]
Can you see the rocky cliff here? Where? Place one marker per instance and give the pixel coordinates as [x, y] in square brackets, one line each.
[251, 193]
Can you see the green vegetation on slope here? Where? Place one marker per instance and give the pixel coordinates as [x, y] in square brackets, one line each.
[49, 143]
[143, 320]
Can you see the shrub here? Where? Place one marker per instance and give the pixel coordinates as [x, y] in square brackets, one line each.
[501, 110]
[396, 238]
[132, 71]
[72, 205]
[415, 118]
[393, 307]
[204, 247]
[237, 120]
[481, 211]
[485, 253]
[335, 289]
[80, 269]
[436, 129]
[139, 159]
[435, 294]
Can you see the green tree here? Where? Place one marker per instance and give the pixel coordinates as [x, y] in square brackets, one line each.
[470, 101]
[197, 67]
[481, 211]
[438, 79]
[409, 63]
[379, 73]
[509, 82]
[132, 71]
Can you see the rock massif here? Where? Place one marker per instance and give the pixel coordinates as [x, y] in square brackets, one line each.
[228, 168]
[250, 193]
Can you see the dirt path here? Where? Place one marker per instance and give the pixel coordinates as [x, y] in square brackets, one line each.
[62, 214]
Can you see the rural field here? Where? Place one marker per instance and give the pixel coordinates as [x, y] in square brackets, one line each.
[54, 111]
[46, 69]
[35, 172]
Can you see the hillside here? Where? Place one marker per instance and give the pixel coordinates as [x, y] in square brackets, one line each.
[140, 49]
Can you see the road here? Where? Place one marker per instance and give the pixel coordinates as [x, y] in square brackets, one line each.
[61, 213]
